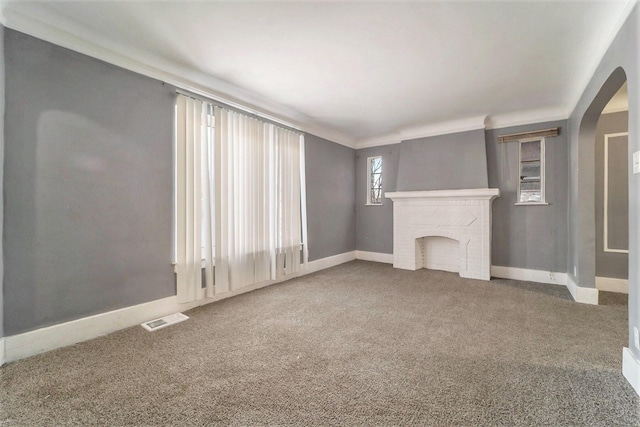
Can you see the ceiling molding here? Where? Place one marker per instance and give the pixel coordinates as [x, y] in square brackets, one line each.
[377, 141]
[444, 128]
[581, 89]
[525, 118]
[148, 64]
[330, 135]
[434, 129]
[465, 125]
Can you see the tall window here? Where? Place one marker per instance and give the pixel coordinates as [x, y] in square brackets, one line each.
[531, 167]
[260, 208]
[374, 180]
[240, 200]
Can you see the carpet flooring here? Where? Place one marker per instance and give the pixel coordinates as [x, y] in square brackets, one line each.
[359, 344]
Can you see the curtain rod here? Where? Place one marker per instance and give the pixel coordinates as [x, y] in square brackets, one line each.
[532, 134]
[237, 109]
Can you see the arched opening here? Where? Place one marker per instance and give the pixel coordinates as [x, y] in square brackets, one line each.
[585, 270]
[439, 253]
[612, 200]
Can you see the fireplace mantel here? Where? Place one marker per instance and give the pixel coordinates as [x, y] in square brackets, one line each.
[444, 230]
[467, 194]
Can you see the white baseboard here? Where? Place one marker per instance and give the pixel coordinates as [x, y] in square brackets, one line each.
[332, 261]
[375, 256]
[610, 284]
[27, 344]
[580, 294]
[631, 369]
[68, 333]
[525, 274]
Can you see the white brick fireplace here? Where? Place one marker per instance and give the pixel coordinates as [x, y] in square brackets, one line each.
[444, 230]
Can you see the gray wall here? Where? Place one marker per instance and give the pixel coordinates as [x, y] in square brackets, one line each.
[374, 223]
[442, 162]
[532, 237]
[445, 162]
[610, 264]
[331, 213]
[87, 186]
[620, 62]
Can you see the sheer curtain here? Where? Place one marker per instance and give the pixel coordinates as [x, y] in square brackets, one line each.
[258, 201]
[286, 193]
[240, 201]
[188, 245]
[208, 200]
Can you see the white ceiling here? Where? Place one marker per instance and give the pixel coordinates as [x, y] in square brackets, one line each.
[359, 72]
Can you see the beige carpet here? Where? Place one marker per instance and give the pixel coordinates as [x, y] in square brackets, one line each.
[358, 344]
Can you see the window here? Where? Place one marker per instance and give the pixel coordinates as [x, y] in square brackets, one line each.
[374, 180]
[239, 200]
[531, 171]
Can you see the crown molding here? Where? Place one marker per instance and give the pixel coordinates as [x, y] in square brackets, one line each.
[377, 141]
[434, 129]
[444, 128]
[65, 34]
[329, 134]
[464, 125]
[526, 118]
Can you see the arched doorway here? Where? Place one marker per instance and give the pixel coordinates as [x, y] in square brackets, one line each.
[612, 200]
[586, 256]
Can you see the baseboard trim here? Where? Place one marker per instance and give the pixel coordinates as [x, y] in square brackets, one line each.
[582, 295]
[328, 262]
[68, 333]
[375, 257]
[579, 294]
[41, 340]
[611, 284]
[525, 274]
[631, 369]
[2, 358]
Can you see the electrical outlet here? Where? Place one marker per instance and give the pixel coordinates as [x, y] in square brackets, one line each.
[636, 162]
[552, 276]
[575, 271]
[636, 337]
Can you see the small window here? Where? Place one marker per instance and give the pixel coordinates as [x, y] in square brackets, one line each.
[531, 170]
[374, 180]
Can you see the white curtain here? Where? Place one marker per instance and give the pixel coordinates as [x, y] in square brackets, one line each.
[259, 223]
[193, 206]
[240, 200]
[286, 193]
[208, 200]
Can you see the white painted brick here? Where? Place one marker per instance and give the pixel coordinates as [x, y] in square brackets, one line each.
[443, 233]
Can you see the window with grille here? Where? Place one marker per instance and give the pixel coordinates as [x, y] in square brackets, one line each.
[374, 180]
[531, 171]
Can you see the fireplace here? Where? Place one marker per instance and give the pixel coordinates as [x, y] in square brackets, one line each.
[444, 230]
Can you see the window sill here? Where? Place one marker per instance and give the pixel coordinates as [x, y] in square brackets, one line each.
[373, 204]
[532, 204]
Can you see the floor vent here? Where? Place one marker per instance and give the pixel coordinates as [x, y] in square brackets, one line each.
[154, 325]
